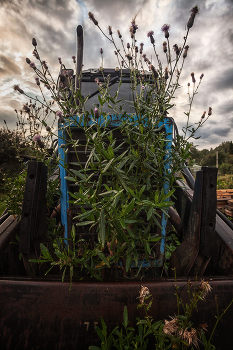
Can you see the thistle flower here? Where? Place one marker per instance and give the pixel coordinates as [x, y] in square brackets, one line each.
[92, 18]
[37, 138]
[35, 54]
[210, 111]
[119, 34]
[32, 65]
[166, 73]
[176, 49]
[171, 327]
[28, 60]
[59, 114]
[165, 28]
[193, 78]
[37, 81]
[48, 128]
[26, 108]
[44, 64]
[154, 71]
[185, 51]
[96, 113]
[47, 86]
[109, 30]
[101, 51]
[204, 286]
[59, 60]
[203, 115]
[202, 75]
[129, 57]
[194, 12]
[34, 43]
[190, 337]
[74, 59]
[188, 84]
[164, 46]
[128, 45]
[143, 293]
[150, 35]
[136, 49]
[17, 88]
[63, 145]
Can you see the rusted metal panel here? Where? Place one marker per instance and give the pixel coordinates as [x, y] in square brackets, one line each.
[46, 315]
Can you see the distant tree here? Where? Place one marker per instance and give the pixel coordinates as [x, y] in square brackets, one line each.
[12, 145]
[231, 148]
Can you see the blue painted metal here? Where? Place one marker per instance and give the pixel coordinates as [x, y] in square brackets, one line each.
[113, 120]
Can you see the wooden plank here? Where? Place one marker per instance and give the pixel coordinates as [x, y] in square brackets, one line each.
[7, 231]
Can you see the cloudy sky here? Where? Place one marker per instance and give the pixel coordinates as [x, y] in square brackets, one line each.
[53, 23]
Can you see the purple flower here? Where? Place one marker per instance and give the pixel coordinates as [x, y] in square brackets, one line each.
[101, 51]
[150, 33]
[96, 113]
[202, 75]
[92, 18]
[188, 84]
[36, 138]
[37, 81]
[32, 65]
[143, 87]
[59, 114]
[35, 54]
[59, 60]
[47, 86]
[34, 43]
[165, 27]
[128, 45]
[74, 59]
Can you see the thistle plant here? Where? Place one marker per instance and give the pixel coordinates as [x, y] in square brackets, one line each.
[125, 182]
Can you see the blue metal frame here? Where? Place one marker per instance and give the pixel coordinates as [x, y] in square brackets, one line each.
[64, 197]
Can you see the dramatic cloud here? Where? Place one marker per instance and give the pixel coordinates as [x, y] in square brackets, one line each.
[53, 23]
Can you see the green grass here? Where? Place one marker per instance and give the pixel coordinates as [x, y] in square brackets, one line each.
[3, 196]
[225, 182]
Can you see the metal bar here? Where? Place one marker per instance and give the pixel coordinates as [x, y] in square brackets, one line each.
[78, 77]
[46, 315]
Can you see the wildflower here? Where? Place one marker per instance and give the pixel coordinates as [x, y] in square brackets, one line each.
[92, 18]
[28, 60]
[59, 60]
[134, 26]
[101, 51]
[26, 108]
[44, 64]
[136, 49]
[128, 45]
[194, 12]
[202, 75]
[150, 35]
[143, 87]
[119, 34]
[61, 120]
[172, 326]
[143, 293]
[176, 49]
[204, 286]
[96, 113]
[97, 81]
[185, 51]
[59, 114]
[166, 73]
[37, 81]
[35, 54]
[210, 111]
[48, 128]
[74, 59]
[37, 138]
[165, 28]
[47, 86]
[34, 43]
[164, 46]
[190, 337]
[17, 88]
[154, 71]
[32, 65]
[110, 30]
[129, 57]
[63, 145]
[193, 78]
[188, 84]
[203, 115]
